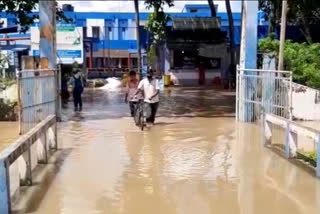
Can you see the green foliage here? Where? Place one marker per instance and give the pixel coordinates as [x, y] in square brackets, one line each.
[8, 111]
[313, 156]
[158, 4]
[5, 82]
[151, 55]
[301, 13]
[22, 9]
[303, 60]
[300, 58]
[156, 25]
[298, 10]
[269, 45]
[157, 21]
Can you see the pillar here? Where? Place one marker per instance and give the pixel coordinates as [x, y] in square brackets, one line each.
[248, 55]
[5, 202]
[318, 156]
[47, 18]
[268, 85]
[291, 143]
[166, 60]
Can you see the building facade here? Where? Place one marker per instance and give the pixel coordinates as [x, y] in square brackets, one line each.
[107, 40]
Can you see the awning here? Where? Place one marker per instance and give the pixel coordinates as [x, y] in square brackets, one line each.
[9, 30]
[197, 23]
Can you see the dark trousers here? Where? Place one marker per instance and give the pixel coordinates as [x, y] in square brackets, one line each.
[154, 109]
[132, 106]
[77, 100]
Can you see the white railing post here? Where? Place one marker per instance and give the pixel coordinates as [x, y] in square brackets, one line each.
[5, 200]
[55, 136]
[21, 153]
[25, 171]
[318, 156]
[237, 93]
[267, 131]
[43, 148]
[290, 143]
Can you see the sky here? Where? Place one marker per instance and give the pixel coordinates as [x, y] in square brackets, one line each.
[127, 5]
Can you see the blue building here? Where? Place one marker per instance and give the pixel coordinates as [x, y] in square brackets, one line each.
[101, 40]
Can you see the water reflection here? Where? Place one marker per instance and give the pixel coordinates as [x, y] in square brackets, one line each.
[202, 164]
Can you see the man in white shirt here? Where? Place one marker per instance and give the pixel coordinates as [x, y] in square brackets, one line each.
[150, 88]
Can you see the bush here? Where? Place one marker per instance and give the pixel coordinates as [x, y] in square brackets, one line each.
[8, 111]
[300, 58]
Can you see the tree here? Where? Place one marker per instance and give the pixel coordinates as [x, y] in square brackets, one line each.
[212, 8]
[3, 64]
[300, 58]
[302, 13]
[272, 10]
[231, 38]
[22, 9]
[156, 25]
[136, 7]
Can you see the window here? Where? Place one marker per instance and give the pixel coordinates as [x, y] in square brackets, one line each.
[108, 32]
[124, 62]
[95, 32]
[122, 33]
[100, 63]
[145, 60]
[193, 10]
[84, 31]
[134, 62]
[114, 62]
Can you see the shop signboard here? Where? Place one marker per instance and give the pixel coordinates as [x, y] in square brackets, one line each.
[69, 43]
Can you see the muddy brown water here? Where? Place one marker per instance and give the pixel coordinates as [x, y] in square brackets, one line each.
[9, 131]
[196, 159]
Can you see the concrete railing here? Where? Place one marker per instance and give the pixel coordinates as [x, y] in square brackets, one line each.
[18, 161]
[292, 130]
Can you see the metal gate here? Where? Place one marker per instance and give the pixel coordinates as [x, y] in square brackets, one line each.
[37, 92]
[263, 90]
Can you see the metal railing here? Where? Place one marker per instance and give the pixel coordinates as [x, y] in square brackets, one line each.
[19, 159]
[292, 131]
[258, 89]
[38, 96]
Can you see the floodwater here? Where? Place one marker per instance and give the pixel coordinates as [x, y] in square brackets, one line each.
[196, 159]
[9, 131]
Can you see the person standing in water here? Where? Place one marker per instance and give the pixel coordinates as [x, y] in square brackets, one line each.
[77, 90]
[151, 89]
[131, 89]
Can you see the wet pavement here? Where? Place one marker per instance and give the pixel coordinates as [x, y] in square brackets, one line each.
[196, 159]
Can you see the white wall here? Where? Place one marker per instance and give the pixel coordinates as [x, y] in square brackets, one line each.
[5, 22]
[115, 30]
[131, 34]
[95, 23]
[305, 103]
[191, 76]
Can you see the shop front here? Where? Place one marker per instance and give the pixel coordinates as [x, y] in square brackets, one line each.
[198, 54]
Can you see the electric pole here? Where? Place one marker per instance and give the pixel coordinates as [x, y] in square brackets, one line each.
[283, 33]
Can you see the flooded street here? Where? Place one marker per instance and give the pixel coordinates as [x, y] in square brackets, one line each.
[9, 133]
[196, 159]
